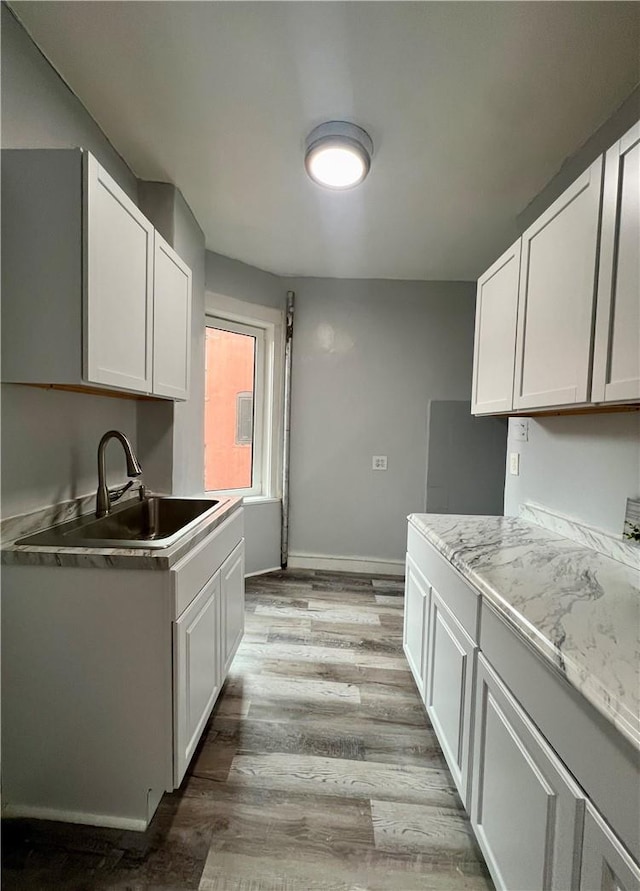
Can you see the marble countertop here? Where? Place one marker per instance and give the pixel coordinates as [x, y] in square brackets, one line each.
[115, 558]
[578, 608]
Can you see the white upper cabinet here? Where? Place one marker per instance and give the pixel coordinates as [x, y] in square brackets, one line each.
[495, 335]
[556, 299]
[83, 275]
[171, 322]
[576, 316]
[118, 297]
[616, 364]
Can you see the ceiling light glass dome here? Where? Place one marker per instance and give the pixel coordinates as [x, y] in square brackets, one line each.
[338, 155]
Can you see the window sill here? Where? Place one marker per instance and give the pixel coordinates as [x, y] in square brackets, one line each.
[261, 499]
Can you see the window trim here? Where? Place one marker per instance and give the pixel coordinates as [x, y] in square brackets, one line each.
[271, 322]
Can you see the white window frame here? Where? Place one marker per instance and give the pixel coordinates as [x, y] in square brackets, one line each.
[231, 314]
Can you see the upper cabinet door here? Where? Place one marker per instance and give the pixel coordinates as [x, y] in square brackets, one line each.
[171, 323]
[556, 301]
[616, 363]
[495, 335]
[118, 303]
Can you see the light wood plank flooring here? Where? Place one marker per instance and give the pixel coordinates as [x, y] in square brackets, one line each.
[318, 770]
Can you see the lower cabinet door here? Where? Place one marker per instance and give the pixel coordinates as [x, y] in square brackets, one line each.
[449, 689]
[232, 585]
[416, 599]
[197, 678]
[526, 810]
[606, 865]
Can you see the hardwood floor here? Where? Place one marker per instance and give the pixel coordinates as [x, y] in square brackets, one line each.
[318, 770]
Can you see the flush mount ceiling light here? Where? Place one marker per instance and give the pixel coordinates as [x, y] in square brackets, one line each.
[338, 155]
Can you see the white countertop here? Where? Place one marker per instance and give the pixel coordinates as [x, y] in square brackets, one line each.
[579, 609]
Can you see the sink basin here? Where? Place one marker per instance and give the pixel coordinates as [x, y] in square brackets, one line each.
[156, 522]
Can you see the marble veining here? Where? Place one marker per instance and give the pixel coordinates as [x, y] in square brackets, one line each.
[14, 528]
[617, 548]
[579, 609]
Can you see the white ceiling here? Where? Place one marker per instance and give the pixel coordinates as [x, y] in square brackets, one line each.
[472, 107]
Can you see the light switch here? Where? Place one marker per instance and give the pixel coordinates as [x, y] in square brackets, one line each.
[514, 463]
[379, 462]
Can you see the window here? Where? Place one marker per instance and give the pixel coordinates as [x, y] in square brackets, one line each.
[244, 349]
[234, 371]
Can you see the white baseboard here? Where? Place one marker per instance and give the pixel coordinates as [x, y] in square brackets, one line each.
[249, 575]
[48, 813]
[346, 564]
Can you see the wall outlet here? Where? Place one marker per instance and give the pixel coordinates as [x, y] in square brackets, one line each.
[514, 463]
[520, 429]
[379, 462]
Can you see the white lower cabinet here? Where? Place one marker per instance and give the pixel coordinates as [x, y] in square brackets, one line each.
[536, 814]
[526, 810]
[197, 671]
[122, 668]
[449, 689]
[416, 605]
[606, 866]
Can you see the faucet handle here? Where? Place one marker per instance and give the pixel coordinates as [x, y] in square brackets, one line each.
[118, 492]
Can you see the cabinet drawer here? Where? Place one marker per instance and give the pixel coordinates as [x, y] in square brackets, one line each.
[460, 597]
[604, 763]
[196, 568]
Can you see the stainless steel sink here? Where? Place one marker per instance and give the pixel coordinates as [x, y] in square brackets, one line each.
[155, 522]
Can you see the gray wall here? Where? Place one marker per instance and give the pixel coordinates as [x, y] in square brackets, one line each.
[188, 431]
[50, 438]
[39, 110]
[367, 358]
[583, 466]
[611, 130]
[232, 278]
[50, 443]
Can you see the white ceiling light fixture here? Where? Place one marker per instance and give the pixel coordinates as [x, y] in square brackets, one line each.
[338, 155]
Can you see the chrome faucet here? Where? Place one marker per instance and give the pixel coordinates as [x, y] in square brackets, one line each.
[105, 498]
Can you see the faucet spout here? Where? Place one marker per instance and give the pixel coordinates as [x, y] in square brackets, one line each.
[103, 499]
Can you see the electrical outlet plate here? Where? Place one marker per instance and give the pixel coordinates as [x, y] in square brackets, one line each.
[520, 429]
[379, 462]
[514, 463]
